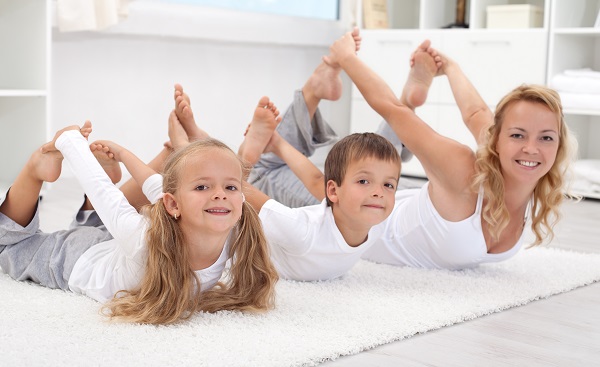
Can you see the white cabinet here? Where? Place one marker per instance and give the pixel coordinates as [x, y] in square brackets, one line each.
[575, 44]
[495, 60]
[24, 82]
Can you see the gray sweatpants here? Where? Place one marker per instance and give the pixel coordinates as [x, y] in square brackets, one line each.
[273, 177]
[27, 253]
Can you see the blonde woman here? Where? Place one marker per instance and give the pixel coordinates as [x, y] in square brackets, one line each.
[476, 204]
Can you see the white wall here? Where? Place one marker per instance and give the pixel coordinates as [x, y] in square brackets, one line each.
[123, 83]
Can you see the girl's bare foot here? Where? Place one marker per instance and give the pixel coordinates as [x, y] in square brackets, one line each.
[423, 68]
[184, 113]
[85, 130]
[107, 160]
[259, 132]
[178, 137]
[45, 166]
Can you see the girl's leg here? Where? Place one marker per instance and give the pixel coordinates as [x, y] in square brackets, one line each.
[178, 137]
[22, 198]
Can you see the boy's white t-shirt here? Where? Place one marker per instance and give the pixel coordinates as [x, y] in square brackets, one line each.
[117, 264]
[307, 245]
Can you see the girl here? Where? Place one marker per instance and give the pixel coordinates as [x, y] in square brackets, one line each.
[156, 267]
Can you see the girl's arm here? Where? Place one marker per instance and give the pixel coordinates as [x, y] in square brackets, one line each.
[119, 217]
[303, 168]
[139, 170]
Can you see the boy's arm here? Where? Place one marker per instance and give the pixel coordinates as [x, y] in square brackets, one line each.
[303, 168]
[254, 196]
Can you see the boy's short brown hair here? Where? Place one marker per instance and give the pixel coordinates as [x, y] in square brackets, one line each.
[355, 147]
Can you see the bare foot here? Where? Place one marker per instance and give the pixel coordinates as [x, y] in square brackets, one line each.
[184, 113]
[423, 68]
[325, 82]
[259, 132]
[107, 160]
[85, 129]
[45, 166]
[178, 137]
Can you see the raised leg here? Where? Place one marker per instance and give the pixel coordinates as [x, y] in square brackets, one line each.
[259, 132]
[44, 165]
[423, 69]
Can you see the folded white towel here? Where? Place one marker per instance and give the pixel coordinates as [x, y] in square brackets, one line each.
[584, 72]
[575, 84]
[580, 101]
[588, 169]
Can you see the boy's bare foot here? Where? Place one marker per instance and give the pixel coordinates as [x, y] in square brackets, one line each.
[424, 67]
[325, 82]
[259, 132]
[178, 137]
[107, 160]
[184, 113]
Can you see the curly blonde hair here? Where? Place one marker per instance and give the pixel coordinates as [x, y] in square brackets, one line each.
[550, 190]
[169, 289]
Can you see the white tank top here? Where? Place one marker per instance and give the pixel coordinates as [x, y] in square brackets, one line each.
[416, 235]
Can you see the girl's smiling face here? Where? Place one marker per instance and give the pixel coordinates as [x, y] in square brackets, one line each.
[210, 196]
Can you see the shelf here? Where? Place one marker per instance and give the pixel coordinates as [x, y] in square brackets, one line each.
[23, 93]
[584, 112]
[583, 31]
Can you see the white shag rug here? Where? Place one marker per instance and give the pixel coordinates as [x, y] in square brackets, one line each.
[313, 322]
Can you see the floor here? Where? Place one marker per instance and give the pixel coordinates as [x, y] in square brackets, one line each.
[563, 330]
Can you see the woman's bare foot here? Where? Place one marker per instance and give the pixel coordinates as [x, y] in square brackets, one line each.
[184, 113]
[424, 67]
[107, 160]
[259, 132]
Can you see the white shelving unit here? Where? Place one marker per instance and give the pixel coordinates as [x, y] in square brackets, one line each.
[25, 36]
[575, 44]
[495, 60]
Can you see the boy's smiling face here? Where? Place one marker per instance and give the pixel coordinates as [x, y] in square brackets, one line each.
[367, 194]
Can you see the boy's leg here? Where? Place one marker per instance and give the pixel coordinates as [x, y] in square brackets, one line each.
[306, 130]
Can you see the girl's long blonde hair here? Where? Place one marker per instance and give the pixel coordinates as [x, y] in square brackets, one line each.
[169, 290]
[550, 190]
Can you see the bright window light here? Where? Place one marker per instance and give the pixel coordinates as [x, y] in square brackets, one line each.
[319, 9]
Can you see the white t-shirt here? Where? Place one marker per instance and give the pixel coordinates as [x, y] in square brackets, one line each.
[307, 245]
[117, 264]
[416, 235]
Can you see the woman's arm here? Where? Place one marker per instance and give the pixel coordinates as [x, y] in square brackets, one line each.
[448, 164]
[474, 111]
